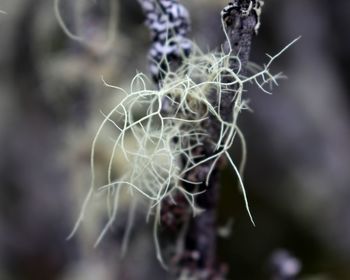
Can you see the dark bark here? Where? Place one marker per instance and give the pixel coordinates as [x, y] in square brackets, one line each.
[200, 246]
[197, 256]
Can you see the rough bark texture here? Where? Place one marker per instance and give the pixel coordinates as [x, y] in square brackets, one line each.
[194, 255]
[191, 242]
[200, 246]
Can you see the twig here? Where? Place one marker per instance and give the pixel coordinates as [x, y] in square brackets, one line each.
[194, 255]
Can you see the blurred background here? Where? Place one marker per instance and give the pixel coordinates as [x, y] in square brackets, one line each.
[298, 169]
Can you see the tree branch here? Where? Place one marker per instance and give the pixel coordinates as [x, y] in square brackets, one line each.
[193, 240]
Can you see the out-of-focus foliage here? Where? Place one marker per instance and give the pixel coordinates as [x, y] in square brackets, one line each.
[297, 174]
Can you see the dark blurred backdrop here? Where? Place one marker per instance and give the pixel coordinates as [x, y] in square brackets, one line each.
[297, 175]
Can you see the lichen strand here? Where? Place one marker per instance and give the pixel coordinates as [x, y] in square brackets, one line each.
[168, 137]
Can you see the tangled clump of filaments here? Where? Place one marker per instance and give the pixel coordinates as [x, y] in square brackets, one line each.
[170, 129]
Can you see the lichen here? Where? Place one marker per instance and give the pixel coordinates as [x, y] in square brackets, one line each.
[153, 165]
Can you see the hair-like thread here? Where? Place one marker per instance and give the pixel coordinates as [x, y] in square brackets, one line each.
[153, 166]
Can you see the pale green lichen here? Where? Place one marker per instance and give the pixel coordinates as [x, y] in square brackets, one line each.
[154, 171]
